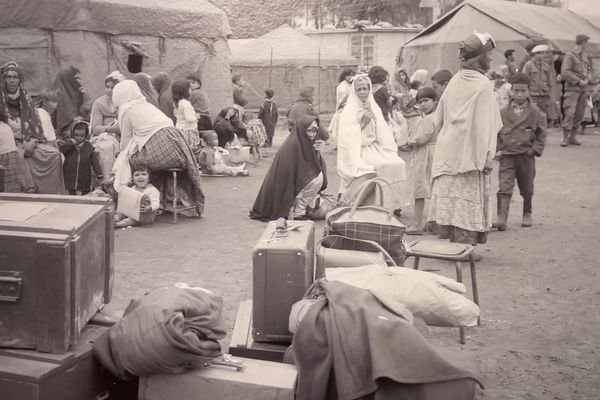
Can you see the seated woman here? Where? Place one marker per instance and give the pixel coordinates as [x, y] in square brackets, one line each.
[155, 143]
[366, 146]
[228, 125]
[43, 167]
[14, 169]
[296, 176]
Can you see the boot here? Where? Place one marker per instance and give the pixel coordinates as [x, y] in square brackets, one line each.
[572, 139]
[527, 221]
[565, 141]
[503, 206]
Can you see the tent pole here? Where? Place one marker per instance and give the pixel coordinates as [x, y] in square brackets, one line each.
[319, 83]
[271, 67]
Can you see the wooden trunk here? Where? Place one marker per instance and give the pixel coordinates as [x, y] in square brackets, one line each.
[56, 268]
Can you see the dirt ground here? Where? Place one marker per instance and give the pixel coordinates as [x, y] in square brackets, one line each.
[539, 287]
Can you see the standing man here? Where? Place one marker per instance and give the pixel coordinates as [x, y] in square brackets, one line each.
[540, 78]
[509, 55]
[576, 71]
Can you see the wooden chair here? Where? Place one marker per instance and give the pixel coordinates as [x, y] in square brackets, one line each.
[447, 251]
[176, 210]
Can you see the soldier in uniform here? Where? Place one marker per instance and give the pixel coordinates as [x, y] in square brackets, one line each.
[540, 78]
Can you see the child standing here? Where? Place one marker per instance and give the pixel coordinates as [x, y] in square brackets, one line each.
[268, 114]
[257, 134]
[211, 161]
[80, 158]
[150, 199]
[521, 139]
[421, 143]
[185, 115]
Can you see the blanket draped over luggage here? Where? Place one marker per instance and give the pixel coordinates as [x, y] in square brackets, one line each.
[349, 345]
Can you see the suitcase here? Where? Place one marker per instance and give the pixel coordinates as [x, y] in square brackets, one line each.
[282, 270]
[74, 375]
[56, 267]
[261, 380]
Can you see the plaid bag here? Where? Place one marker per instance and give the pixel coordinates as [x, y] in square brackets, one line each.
[370, 222]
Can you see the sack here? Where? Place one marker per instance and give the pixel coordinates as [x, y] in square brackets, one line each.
[323, 205]
[438, 300]
[371, 222]
[336, 251]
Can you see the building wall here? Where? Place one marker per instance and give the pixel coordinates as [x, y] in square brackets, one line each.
[386, 43]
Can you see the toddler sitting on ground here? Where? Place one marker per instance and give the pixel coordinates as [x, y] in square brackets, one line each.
[211, 158]
[149, 202]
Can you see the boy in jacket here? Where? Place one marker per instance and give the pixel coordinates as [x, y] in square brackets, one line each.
[521, 139]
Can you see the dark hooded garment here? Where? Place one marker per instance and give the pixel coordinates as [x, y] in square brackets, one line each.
[294, 166]
[162, 84]
[228, 125]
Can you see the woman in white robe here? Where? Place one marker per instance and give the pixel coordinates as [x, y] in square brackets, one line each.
[366, 146]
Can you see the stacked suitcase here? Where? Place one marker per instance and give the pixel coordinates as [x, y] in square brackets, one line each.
[56, 271]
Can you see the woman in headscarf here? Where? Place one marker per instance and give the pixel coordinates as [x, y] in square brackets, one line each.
[296, 176]
[103, 124]
[366, 145]
[155, 143]
[73, 101]
[162, 84]
[401, 82]
[43, 167]
[15, 180]
[144, 81]
[228, 125]
[469, 121]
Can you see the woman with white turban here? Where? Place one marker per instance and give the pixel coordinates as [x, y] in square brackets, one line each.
[366, 145]
[153, 141]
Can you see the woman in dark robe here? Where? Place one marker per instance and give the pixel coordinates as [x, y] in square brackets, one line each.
[145, 83]
[296, 176]
[162, 84]
[73, 102]
[228, 125]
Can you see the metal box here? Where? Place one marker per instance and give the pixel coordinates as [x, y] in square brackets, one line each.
[56, 268]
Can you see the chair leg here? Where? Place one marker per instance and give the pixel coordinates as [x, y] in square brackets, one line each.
[458, 267]
[474, 284]
[416, 262]
[461, 333]
[174, 197]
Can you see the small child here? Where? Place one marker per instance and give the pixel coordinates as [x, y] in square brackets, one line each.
[421, 143]
[257, 134]
[501, 87]
[211, 158]
[80, 158]
[185, 115]
[521, 139]
[268, 114]
[149, 203]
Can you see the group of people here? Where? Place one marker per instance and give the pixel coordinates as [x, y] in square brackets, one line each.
[436, 142]
[142, 127]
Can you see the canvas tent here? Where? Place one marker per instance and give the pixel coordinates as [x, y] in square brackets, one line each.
[511, 24]
[287, 60]
[100, 36]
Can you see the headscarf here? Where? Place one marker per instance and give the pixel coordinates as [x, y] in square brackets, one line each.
[162, 84]
[399, 84]
[294, 166]
[419, 75]
[31, 126]
[145, 84]
[70, 97]
[473, 51]
[138, 119]
[80, 123]
[350, 164]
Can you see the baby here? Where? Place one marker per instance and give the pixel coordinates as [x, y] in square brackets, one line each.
[211, 158]
[149, 203]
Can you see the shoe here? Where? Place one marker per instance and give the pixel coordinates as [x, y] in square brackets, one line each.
[243, 173]
[574, 141]
[503, 207]
[565, 141]
[527, 221]
[302, 217]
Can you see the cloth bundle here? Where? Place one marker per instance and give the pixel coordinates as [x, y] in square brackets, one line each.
[169, 330]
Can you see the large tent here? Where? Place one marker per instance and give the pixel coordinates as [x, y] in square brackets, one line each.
[287, 60]
[511, 24]
[100, 36]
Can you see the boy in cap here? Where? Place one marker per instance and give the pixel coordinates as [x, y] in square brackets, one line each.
[521, 139]
[540, 77]
[576, 71]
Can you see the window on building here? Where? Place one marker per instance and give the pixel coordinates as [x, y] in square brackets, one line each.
[363, 48]
[134, 63]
